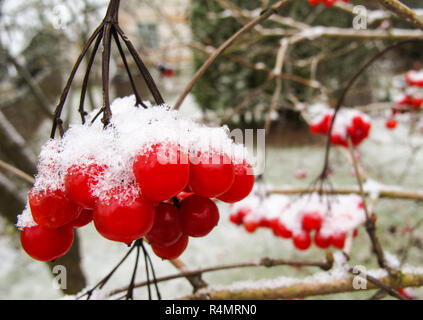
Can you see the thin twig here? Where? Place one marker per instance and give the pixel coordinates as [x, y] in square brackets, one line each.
[264, 16]
[265, 262]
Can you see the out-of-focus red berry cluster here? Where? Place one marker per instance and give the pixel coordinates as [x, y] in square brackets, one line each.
[301, 221]
[327, 3]
[348, 122]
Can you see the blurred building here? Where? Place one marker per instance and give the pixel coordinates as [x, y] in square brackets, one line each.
[160, 30]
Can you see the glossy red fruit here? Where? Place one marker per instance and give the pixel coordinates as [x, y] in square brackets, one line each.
[84, 218]
[211, 175]
[312, 221]
[251, 226]
[322, 241]
[235, 219]
[123, 217]
[80, 181]
[172, 252]
[302, 241]
[391, 124]
[199, 215]
[162, 172]
[167, 227]
[51, 208]
[242, 185]
[338, 240]
[46, 244]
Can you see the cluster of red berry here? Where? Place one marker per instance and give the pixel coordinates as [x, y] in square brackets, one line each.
[327, 3]
[300, 219]
[126, 209]
[348, 122]
[410, 100]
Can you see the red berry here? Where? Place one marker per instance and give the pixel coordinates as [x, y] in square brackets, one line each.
[51, 208]
[282, 231]
[123, 217]
[84, 218]
[355, 233]
[162, 172]
[312, 221]
[391, 124]
[46, 244]
[314, 2]
[235, 219]
[167, 227]
[242, 185]
[199, 215]
[251, 226]
[79, 183]
[322, 241]
[302, 241]
[211, 175]
[172, 252]
[329, 3]
[338, 240]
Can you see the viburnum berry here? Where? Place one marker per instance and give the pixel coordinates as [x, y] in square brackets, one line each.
[167, 227]
[85, 217]
[211, 175]
[359, 130]
[391, 124]
[322, 241]
[123, 216]
[171, 252]
[302, 240]
[46, 244]
[323, 126]
[282, 231]
[199, 215]
[238, 216]
[80, 181]
[312, 221]
[414, 78]
[51, 208]
[251, 226]
[242, 185]
[338, 240]
[162, 172]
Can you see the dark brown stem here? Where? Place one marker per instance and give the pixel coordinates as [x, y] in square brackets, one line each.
[87, 76]
[59, 108]
[106, 74]
[128, 71]
[264, 262]
[142, 68]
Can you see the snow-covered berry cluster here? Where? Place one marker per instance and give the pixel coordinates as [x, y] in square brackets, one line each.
[327, 220]
[126, 178]
[327, 3]
[348, 122]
